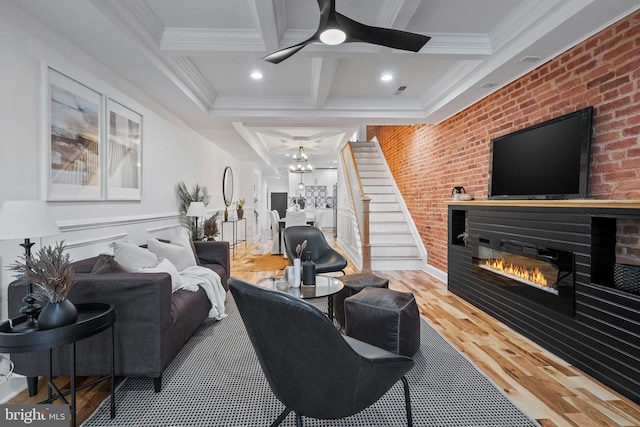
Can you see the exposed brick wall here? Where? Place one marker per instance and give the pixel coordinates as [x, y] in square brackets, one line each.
[603, 71]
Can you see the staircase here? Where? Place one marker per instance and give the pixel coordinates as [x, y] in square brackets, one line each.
[395, 244]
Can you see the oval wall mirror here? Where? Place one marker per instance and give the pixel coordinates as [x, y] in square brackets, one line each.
[227, 186]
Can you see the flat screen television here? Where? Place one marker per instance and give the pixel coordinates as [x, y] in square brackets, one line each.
[549, 160]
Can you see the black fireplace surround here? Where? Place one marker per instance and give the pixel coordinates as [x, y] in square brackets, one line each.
[578, 315]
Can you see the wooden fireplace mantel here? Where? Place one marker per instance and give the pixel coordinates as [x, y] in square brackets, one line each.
[573, 203]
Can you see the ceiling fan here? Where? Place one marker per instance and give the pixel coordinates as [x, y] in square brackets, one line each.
[335, 28]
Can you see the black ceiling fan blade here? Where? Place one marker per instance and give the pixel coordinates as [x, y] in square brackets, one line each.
[282, 54]
[355, 32]
[396, 39]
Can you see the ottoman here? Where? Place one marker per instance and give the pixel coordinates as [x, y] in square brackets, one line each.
[354, 283]
[385, 318]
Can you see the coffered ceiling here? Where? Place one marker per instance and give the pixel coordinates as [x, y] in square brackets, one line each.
[195, 58]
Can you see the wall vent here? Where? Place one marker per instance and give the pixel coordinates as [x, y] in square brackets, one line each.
[530, 58]
[400, 90]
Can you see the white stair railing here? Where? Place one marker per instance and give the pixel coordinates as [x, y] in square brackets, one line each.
[360, 206]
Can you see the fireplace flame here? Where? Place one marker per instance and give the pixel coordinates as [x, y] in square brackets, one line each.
[533, 275]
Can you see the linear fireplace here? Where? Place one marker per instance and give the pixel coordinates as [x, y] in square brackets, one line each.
[578, 314]
[541, 274]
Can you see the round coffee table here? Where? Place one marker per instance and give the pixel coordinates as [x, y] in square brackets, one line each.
[326, 286]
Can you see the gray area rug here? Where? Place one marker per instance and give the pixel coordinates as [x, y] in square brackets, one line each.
[216, 380]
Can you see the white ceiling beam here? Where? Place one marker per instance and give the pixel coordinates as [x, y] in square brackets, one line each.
[323, 70]
[269, 17]
[397, 13]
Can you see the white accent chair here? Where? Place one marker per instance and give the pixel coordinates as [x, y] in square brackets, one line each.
[311, 216]
[293, 218]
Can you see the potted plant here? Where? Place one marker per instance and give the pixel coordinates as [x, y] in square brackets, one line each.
[50, 271]
[239, 208]
[198, 193]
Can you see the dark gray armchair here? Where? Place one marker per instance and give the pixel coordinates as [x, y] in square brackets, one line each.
[326, 258]
[319, 373]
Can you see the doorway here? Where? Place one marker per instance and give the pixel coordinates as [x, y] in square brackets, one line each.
[279, 203]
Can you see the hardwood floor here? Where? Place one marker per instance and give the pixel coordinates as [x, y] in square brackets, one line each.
[544, 386]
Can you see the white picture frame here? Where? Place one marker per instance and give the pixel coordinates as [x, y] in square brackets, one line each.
[74, 139]
[123, 154]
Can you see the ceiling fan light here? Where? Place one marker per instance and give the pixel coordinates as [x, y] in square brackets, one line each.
[333, 36]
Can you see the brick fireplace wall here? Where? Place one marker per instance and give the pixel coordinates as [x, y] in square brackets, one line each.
[603, 71]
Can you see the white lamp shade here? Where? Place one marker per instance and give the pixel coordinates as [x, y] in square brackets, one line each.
[197, 209]
[24, 219]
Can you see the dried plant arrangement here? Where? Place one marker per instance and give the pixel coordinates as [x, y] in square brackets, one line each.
[211, 227]
[300, 248]
[49, 270]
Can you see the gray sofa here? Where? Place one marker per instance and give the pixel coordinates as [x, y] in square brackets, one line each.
[152, 323]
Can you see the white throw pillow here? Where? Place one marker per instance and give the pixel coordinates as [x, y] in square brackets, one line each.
[181, 257]
[182, 238]
[165, 266]
[132, 256]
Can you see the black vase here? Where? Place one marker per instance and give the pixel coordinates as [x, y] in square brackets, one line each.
[308, 271]
[56, 314]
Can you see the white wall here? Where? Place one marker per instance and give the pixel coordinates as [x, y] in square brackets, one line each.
[327, 177]
[171, 151]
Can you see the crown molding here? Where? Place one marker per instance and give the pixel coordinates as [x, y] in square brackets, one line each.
[194, 80]
[210, 40]
[139, 23]
[448, 86]
[522, 18]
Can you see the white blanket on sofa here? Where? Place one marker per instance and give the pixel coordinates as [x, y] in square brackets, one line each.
[209, 280]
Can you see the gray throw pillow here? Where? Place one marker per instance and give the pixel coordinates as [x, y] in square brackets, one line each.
[106, 264]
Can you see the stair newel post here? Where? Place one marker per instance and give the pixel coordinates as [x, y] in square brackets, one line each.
[366, 244]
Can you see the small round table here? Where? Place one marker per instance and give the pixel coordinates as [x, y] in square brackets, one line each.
[326, 286]
[92, 319]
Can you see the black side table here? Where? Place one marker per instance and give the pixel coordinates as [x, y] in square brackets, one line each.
[92, 319]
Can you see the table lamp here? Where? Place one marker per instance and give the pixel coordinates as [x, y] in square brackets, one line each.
[196, 209]
[25, 219]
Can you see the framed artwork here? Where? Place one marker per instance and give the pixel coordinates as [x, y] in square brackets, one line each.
[74, 154]
[124, 153]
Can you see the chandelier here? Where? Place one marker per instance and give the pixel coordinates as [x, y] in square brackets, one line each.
[300, 162]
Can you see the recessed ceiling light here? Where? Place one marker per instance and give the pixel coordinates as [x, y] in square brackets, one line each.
[386, 77]
[287, 155]
[257, 75]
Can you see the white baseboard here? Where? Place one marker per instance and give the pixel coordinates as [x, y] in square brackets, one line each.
[11, 388]
[437, 273]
